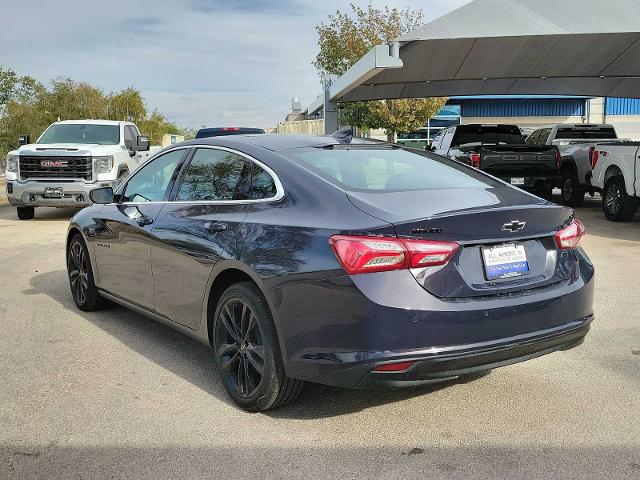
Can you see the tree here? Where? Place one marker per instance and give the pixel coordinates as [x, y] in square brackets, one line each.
[345, 38]
[27, 106]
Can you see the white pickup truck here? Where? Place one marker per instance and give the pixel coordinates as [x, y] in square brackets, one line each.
[576, 143]
[616, 172]
[70, 159]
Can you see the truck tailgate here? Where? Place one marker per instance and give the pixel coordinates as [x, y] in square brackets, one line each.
[519, 160]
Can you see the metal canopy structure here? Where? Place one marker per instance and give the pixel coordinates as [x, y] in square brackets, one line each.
[506, 47]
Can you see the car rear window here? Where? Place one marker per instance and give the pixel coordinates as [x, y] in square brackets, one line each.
[494, 134]
[386, 169]
[585, 133]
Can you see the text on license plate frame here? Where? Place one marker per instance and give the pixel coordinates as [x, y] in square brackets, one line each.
[53, 192]
[506, 260]
[517, 180]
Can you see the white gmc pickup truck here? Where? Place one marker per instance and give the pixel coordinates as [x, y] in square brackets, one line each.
[70, 159]
[616, 172]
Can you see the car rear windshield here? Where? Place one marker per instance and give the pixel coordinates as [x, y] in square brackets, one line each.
[493, 134]
[585, 133]
[386, 169]
[224, 131]
[81, 133]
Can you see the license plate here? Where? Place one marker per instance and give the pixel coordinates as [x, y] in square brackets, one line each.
[53, 192]
[517, 180]
[504, 261]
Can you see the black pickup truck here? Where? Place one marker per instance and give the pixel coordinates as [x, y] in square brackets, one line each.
[501, 151]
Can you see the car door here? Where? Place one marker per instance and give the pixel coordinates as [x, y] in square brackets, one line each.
[202, 225]
[124, 236]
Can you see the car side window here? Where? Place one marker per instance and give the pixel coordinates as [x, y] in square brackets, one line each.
[152, 182]
[437, 140]
[215, 175]
[533, 138]
[262, 184]
[544, 136]
[448, 137]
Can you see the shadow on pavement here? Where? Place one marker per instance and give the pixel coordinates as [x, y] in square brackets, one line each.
[314, 461]
[192, 361]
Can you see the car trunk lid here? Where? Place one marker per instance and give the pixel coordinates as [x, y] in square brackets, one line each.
[477, 219]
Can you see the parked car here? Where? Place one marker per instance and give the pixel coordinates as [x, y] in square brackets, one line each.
[224, 131]
[616, 173]
[70, 159]
[576, 143]
[501, 151]
[358, 265]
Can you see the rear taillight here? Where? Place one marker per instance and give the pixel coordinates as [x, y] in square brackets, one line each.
[379, 254]
[423, 253]
[230, 129]
[558, 159]
[593, 156]
[475, 160]
[570, 236]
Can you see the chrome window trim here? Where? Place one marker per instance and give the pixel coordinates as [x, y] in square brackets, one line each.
[279, 188]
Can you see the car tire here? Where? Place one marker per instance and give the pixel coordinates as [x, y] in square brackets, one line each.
[247, 353]
[616, 204]
[25, 213]
[81, 281]
[572, 192]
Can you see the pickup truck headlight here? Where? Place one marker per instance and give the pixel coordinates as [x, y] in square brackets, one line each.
[12, 163]
[103, 164]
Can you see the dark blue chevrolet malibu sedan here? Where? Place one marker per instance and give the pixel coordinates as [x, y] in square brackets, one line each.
[358, 265]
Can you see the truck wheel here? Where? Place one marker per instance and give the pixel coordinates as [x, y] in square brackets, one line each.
[616, 204]
[572, 192]
[25, 213]
[122, 176]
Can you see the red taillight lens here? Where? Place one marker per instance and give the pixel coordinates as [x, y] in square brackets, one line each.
[379, 254]
[394, 367]
[593, 155]
[230, 129]
[558, 159]
[423, 253]
[368, 254]
[570, 236]
[475, 160]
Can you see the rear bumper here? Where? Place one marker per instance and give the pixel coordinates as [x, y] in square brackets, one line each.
[363, 321]
[536, 182]
[452, 364]
[32, 193]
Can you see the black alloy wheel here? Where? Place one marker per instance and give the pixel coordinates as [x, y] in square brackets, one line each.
[240, 349]
[616, 204]
[247, 353]
[83, 288]
[78, 276]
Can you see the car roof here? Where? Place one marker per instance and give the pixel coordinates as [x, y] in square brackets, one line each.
[275, 142]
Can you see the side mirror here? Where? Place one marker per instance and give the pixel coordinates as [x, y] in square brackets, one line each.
[142, 144]
[23, 139]
[102, 195]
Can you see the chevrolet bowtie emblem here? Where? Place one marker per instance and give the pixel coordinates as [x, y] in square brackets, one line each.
[513, 226]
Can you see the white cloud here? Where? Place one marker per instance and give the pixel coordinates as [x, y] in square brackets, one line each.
[200, 62]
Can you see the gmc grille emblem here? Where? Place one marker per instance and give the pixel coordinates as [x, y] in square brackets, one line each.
[52, 163]
[513, 226]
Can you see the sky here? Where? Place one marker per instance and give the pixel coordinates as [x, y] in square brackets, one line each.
[200, 62]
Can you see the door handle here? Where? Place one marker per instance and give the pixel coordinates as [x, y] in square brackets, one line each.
[214, 227]
[144, 220]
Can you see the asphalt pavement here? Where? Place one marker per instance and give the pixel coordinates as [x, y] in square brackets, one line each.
[112, 394]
